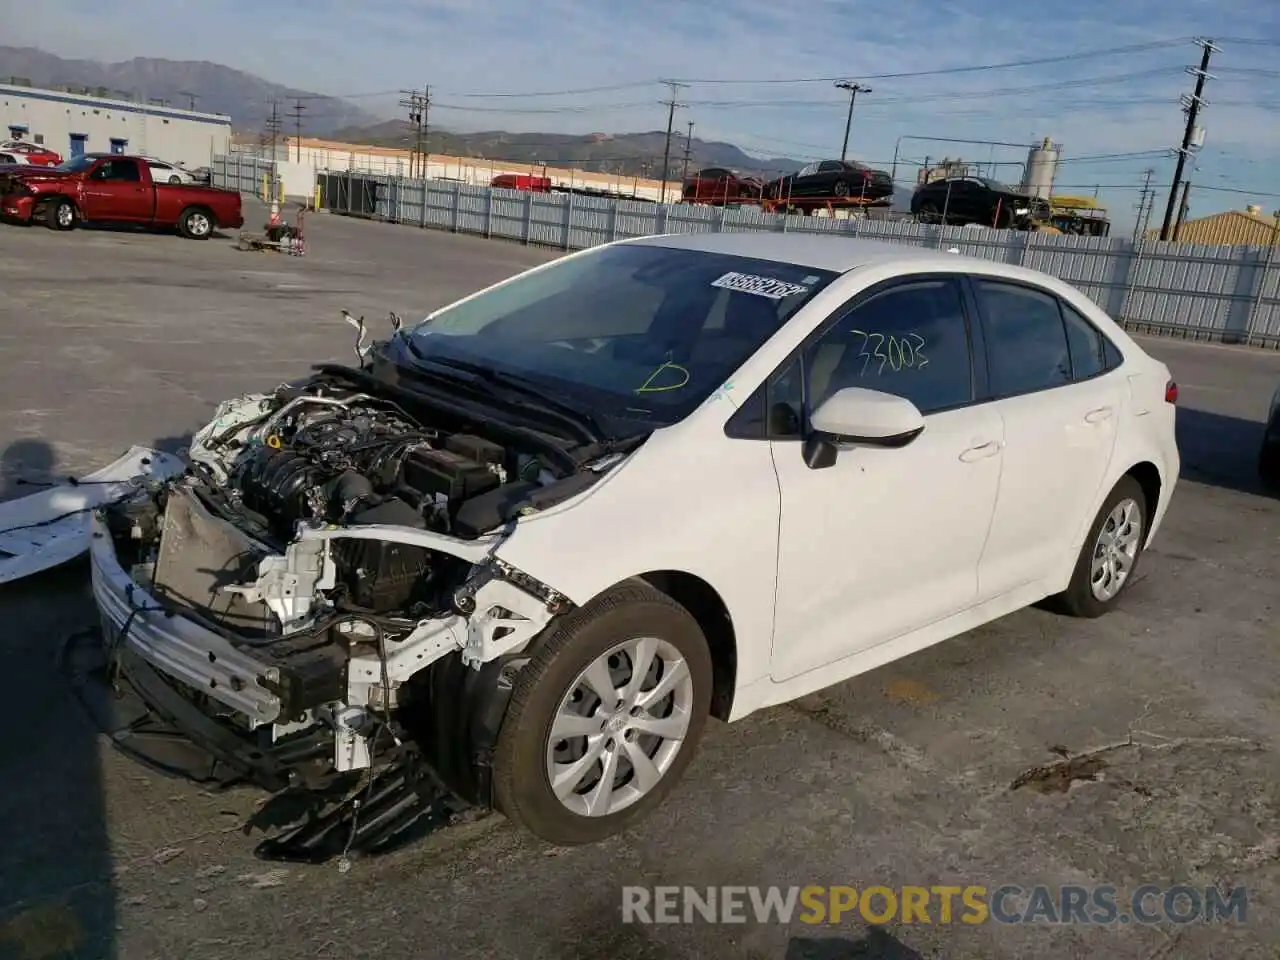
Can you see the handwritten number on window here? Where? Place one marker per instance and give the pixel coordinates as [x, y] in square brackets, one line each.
[898, 353]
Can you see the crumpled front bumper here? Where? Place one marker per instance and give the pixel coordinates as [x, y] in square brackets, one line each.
[175, 645]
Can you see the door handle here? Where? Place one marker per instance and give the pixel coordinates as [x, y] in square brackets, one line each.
[1097, 416]
[981, 451]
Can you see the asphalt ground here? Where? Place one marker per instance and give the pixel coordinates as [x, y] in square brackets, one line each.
[899, 777]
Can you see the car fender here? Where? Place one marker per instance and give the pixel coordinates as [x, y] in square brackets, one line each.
[690, 501]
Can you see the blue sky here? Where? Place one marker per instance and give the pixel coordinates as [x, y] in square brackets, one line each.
[1092, 105]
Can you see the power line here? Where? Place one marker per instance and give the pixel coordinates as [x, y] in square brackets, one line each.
[635, 85]
[1189, 134]
[950, 71]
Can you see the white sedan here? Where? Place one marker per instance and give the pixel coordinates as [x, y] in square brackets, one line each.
[532, 543]
[163, 172]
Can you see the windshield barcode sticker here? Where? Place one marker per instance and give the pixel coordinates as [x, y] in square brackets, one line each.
[760, 286]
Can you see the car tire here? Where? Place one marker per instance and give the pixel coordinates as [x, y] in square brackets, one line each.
[175, 180]
[1269, 465]
[1116, 540]
[604, 638]
[929, 214]
[195, 224]
[61, 215]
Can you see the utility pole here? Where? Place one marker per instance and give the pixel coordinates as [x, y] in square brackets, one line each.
[1182, 209]
[273, 127]
[298, 108]
[854, 89]
[1146, 200]
[671, 118]
[412, 100]
[422, 147]
[1192, 106]
[688, 152]
[191, 99]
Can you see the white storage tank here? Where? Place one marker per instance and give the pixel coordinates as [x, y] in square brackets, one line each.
[1042, 167]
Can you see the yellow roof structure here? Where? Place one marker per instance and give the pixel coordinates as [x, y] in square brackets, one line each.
[1247, 227]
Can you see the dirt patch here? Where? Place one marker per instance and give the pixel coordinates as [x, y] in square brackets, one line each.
[1058, 777]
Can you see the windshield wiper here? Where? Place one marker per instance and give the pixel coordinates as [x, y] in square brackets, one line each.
[586, 425]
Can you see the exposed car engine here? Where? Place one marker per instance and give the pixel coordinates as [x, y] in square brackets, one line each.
[322, 451]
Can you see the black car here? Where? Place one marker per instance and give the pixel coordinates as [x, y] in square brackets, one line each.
[831, 181]
[1269, 454]
[961, 200]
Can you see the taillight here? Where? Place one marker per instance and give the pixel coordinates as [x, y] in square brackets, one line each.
[1170, 392]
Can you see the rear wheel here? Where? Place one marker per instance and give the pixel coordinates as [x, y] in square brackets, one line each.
[1111, 551]
[195, 224]
[175, 179]
[60, 214]
[605, 718]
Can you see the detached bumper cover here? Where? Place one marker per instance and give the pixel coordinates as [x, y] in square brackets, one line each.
[48, 528]
[175, 645]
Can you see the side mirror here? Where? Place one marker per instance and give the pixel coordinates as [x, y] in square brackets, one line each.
[858, 416]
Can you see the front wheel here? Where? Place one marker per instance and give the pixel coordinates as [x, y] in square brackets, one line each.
[1111, 551]
[61, 215]
[605, 718]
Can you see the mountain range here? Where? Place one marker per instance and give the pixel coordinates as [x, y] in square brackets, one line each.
[188, 84]
[248, 100]
[627, 154]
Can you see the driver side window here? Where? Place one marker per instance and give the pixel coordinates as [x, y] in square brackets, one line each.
[911, 340]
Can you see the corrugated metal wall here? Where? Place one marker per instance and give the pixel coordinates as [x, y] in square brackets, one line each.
[1202, 291]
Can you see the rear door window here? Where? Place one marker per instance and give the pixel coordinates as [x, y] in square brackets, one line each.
[1027, 348]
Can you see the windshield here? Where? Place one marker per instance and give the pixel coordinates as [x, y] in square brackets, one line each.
[632, 331]
[75, 165]
[997, 187]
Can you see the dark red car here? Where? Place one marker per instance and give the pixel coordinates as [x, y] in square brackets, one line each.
[718, 186]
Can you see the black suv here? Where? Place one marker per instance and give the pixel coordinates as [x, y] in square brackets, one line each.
[961, 200]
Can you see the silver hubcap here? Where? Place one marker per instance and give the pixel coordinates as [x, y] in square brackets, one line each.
[65, 215]
[620, 727]
[1116, 549]
[198, 224]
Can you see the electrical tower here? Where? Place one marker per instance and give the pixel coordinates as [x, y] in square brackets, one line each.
[417, 103]
[296, 113]
[273, 127]
[688, 152]
[1191, 106]
[671, 105]
[854, 89]
[1146, 199]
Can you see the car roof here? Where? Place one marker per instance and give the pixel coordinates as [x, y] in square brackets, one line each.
[837, 254]
[842, 254]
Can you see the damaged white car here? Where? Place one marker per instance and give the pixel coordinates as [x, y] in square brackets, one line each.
[519, 553]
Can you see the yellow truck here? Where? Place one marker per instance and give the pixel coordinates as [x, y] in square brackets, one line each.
[1082, 216]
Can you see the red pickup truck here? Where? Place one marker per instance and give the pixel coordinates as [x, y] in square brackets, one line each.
[109, 188]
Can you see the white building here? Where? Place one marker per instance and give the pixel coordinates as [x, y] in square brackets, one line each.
[72, 124]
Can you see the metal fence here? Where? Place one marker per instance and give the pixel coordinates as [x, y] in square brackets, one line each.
[245, 173]
[1200, 291]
